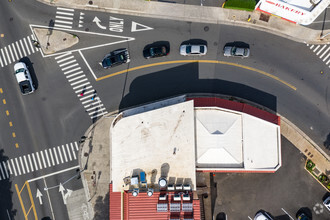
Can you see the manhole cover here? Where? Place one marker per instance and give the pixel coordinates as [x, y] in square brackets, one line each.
[86, 29]
[90, 2]
[264, 17]
[206, 28]
[11, 19]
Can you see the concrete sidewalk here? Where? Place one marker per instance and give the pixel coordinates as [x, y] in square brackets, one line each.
[193, 13]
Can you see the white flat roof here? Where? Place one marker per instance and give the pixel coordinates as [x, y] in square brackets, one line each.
[160, 142]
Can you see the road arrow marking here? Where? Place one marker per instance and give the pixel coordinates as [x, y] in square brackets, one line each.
[97, 21]
[67, 194]
[39, 195]
[61, 190]
[144, 27]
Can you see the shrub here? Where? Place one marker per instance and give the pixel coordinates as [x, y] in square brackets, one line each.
[247, 5]
[310, 165]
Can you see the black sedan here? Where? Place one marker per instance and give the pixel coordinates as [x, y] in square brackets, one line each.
[115, 58]
[156, 51]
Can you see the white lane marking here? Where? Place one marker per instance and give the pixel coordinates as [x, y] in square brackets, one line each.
[9, 167]
[75, 83]
[78, 77]
[9, 61]
[318, 52]
[30, 43]
[90, 69]
[19, 49]
[30, 161]
[287, 214]
[15, 52]
[64, 59]
[11, 53]
[3, 174]
[65, 9]
[1, 63]
[39, 160]
[73, 153]
[5, 168]
[325, 52]
[64, 22]
[62, 17]
[51, 156]
[26, 164]
[65, 157]
[27, 46]
[249, 217]
[50, 202]
[56, 158]
[34, 161]
[48, 161]
[18, 168]
[67, 148]
[52, 174]
[43, 159]
[74, 74]
[24, 52]
[70, 71]
[76, 145]
[12, 163]
[63, 55]
[63, 26]
[59, 151]
[68, 67]
[81, 85]
[317, 47]
[3, 56]
[23, 169]
[35, 40]
[64, 13]
[71, 61]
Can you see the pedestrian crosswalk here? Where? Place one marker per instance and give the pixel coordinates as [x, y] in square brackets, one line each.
[17, 50]
[64, 17]
[322, 51]
[80, 84]
[38, 160]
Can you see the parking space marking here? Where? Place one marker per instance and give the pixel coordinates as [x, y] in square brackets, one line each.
[287, 214]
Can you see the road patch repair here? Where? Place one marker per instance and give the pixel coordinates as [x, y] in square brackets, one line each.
[51, 41]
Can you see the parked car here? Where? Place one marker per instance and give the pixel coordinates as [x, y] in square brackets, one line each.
[115, 58]
[23, 78]
[262, 215]
[303, 216]
[193, 50]
[233, 51]
[326, 203]
[221, 216]
[156, 51]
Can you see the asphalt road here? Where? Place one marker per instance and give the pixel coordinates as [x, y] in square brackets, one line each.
[55, 116]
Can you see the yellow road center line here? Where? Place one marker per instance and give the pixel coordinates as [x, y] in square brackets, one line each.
[10, 124]
[32, 202]
[199, 61]
[16, 145]
[4, 101]
[7, 112]
[1, 91]
[14, 135]
[21, 201]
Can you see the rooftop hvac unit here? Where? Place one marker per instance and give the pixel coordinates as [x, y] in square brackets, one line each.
[134, 180]
[177, 197]
[187, 187]
[178, 187]
[162, 197]
[186, 197]
[162, 182]
[135, 192]
[150, 192]
[170, 187]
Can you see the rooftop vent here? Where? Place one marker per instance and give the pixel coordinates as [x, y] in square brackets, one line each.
[150, 192]
[135, 192]
[162, 197]
[178, 187]
[170, 187]
[187, 187]
[186, 197]
[162, 182]
[177, 197]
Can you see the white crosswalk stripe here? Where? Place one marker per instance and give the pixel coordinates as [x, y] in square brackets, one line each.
[30, 43]
[23, 48]
[8, 58]
[15, 52]
[64, 17]
[322, 51]
[3, 56]
[11, 53]
[1, 63]
[46, 158]
[19, 49]
[26, 45]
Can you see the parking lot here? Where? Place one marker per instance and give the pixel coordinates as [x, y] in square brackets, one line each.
[241, 195]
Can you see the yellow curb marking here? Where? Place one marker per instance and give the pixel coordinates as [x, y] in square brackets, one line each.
[10, 124]
[16, 145]
[1, 91]
[4, 101]
[199, 61]
[7, 112]
[31, 199]
[14, 135]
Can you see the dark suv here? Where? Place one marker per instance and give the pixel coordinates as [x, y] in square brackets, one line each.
[115, 58]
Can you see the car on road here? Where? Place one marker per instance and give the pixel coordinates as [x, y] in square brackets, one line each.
[233, 51]
[156, 51]
[262, 215]
[326, 203]
[115, 58]
[23, 78]
[193, 50]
